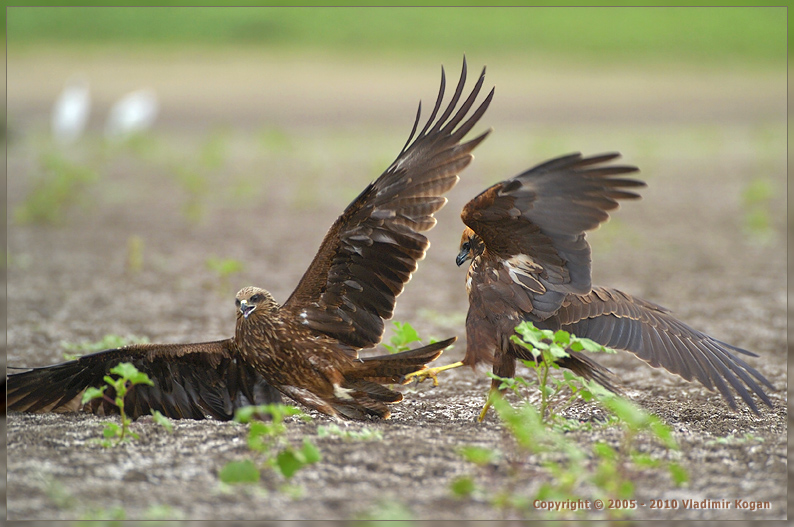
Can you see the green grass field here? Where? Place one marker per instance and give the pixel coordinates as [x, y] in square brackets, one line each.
[726, 35]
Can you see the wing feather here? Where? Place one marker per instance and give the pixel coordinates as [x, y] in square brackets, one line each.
[542, 214]
[370, 252]
[191, 381]
[615, 319]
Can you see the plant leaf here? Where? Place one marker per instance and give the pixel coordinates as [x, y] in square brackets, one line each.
[478, 455]
[92, 393]
[162, 420]
[289, 462]
[462, 486]
[311, 453]
[239, 472]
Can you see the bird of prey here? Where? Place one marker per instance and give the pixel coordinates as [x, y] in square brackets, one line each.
[306, 348]
[530, 261]
[317, 370]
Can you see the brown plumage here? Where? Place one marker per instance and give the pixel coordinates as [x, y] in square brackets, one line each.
[191, 381]
[338, 307]
[530, 261]
[318, 370]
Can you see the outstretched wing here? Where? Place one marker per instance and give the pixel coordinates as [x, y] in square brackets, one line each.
[191, 381]
[533, 227]
[373, 248]
[615, 319]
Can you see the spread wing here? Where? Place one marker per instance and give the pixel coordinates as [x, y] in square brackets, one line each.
[615, 319]
[191, 381]
[372, 249]
[533, 227]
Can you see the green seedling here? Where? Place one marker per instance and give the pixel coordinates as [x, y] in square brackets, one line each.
[61, 185]
[74, 351]
[573, 471]
[126, 376]
[547, 347]
[465, 486]
[735, 440]
[134, 254]
[392, 510]
[224, 268]
[213, 153]
[404, 336]
[276, 140]
[268, 439]
[364, 434]
[755, 200]
[196, 185]
[163, 421]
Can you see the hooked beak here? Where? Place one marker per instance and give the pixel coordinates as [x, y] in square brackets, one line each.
[246, 308]
[462, 257]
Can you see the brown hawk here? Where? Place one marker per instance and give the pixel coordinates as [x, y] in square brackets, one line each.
[530, 261]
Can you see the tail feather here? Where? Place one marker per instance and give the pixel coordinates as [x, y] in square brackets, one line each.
[365, 394]
[393, 368]
[32, 390]
[361, 410]
[374, 391]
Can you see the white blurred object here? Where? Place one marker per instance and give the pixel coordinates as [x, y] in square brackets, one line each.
[135, 112]
[70, 111]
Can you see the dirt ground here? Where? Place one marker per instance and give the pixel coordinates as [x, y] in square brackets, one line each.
[293, 142]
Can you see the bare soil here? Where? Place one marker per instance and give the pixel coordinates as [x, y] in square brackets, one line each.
[267, 203]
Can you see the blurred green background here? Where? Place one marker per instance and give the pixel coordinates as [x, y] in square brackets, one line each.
[750, 35]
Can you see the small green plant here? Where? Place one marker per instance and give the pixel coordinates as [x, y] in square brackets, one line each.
[755, 199]
[268, 439]
[61, 185]
[134, 254]
[163, 421]
[364, 434]
[196, 186]
[75, 350]
[573, 471]
[213, 152]
[393, 510]
[547, 347]
[127, 376]
[57, 492]
[142, 144]
[735, 440]
[224, 268]
[404, 336]
[110, 517]
[275, 139]
[464, 486]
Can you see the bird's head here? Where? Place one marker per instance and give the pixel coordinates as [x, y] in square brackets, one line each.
[471, 246]
[251, 299]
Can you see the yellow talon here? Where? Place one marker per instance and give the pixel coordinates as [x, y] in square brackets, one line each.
[432, 373]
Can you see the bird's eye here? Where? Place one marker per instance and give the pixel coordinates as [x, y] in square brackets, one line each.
[256, 298]
[466, 246]
[237, 302]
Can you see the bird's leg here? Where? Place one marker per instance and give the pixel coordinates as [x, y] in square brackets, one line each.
[504, 366]
[432, 373]
[493, 392]
[487, 406]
